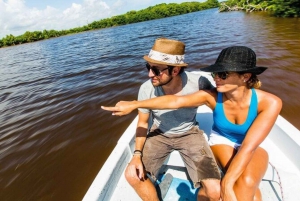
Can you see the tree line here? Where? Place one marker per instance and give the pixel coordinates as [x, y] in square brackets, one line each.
[153, 12]
[279, 8]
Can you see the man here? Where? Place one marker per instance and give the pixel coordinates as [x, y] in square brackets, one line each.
[171, 129]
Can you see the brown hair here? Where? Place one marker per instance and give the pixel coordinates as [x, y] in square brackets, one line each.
[253, 81]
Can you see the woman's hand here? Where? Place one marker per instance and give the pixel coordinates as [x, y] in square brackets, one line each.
[227, 193]
[121, 108]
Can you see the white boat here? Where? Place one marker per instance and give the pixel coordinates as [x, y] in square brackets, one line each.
[280, 183]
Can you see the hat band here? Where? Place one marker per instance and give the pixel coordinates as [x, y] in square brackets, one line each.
[167, 58]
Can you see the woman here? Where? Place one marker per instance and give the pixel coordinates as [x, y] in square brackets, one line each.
[243, 117]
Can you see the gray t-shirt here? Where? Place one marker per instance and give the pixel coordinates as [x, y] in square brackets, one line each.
[179, 120]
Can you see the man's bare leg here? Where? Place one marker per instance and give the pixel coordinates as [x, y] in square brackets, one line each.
[210, 190]
[144, 188]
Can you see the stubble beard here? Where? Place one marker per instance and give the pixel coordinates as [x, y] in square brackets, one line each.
[162, 83]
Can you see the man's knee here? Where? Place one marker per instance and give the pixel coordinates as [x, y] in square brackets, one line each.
[211, 188]
[131, 180]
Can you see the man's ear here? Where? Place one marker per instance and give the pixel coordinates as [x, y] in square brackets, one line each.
[175, 70]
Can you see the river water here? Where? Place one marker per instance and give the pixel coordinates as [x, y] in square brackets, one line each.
[54, 137]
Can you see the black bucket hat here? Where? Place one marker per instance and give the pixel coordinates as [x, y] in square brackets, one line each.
[236, 59]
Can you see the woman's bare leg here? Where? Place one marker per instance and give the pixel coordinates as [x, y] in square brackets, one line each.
[247, 186]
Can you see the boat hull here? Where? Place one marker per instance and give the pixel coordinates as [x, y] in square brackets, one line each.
[281, 181]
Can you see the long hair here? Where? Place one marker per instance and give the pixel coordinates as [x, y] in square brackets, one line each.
[254, 82]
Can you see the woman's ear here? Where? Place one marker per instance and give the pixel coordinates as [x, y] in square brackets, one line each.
[246, 76]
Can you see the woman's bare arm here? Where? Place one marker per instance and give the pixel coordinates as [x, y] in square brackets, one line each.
[269, 109]
[163, 102]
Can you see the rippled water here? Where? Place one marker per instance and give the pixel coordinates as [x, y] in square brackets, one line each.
[54, 137]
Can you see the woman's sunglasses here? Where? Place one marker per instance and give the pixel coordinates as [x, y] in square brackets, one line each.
[222, 75]
[155, 69]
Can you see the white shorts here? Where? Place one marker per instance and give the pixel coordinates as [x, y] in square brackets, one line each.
[215, 138]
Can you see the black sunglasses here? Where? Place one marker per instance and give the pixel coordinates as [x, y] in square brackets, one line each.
[155, 69]
[222, 75]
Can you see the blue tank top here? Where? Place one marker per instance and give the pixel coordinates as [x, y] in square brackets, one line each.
[234, 132]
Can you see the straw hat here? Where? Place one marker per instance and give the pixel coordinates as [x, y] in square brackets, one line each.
[168, 52]
[236, 59]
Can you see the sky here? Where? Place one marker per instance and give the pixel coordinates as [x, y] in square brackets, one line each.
[19, 16]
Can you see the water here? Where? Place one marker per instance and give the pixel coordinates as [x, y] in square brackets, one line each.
[54, 137]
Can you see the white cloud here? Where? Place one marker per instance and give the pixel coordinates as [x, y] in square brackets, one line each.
[16, 18]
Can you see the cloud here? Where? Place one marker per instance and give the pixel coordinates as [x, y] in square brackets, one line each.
[16, 18]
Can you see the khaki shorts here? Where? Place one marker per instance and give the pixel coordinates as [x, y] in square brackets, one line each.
[193, 148]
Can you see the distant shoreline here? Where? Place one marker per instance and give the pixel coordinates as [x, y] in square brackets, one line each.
[159, 11]
[153, 12]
